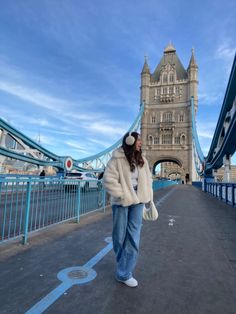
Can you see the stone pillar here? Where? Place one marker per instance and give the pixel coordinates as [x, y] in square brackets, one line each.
[214, 173]
[227, 165]
[3, 135]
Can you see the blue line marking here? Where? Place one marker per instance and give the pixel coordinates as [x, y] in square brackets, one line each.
[49, 299]
[68, 282]
[99, 256]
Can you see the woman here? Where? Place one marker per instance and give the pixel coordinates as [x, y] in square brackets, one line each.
[127, 179]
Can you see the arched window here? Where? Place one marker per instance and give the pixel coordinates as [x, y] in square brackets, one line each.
[164, 78]
[181, 118]
[171, 77]
[155, 93]
[153, 119]
[171, 90]
[183, 139]
[156, 140]
[150, 139]
[164, 90]
[177, 139]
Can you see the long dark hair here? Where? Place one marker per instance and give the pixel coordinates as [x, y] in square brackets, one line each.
[133, 156]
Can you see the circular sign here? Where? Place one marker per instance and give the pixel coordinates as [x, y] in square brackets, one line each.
[68, 163]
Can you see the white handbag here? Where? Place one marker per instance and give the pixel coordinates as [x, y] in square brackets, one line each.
[150, 212]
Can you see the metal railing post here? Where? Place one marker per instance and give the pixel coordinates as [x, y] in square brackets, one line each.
[78, 204]
[26, 222]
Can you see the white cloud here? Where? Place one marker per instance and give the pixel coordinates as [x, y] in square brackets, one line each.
[42, 139]
[47, 140]
[76, 146]
[110, 129]
[101, 143]
[205, 135]
[225, 52]
[206, 129]
[35, 97]
[209, 99]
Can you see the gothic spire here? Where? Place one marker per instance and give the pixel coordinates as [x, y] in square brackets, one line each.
[169, 48]
[192, 61]
[145, 69]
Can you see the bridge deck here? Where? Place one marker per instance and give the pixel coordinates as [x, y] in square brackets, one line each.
[187, 262]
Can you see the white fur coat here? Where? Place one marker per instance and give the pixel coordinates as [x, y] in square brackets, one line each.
[117, 180]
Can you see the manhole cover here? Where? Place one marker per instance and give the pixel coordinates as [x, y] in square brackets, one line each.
[77, 274]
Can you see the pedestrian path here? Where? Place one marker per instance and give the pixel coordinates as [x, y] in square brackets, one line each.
[187, 263]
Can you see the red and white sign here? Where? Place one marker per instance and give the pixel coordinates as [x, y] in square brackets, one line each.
[68, 163]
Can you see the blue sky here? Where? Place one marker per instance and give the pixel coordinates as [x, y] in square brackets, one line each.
[70, 69]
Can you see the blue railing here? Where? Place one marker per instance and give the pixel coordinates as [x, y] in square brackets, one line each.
[225, 192]
[27, 205]
[197, 184]
[158, 184]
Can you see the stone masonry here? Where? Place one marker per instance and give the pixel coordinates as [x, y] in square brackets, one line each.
[166, 124]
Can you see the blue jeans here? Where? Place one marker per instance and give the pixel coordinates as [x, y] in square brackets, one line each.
[127, 223]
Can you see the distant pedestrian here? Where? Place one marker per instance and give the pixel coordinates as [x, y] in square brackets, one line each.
[100, 176]
[128, 180]
[42, 174]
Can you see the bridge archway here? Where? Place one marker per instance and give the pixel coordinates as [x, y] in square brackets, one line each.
[169, 168]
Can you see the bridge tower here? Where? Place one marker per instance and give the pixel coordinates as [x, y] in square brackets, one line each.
[166, 123]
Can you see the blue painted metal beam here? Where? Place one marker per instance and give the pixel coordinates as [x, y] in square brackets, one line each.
[32, 160]
[228, 147]
[227, 104]
[26, 139]
[194, 133]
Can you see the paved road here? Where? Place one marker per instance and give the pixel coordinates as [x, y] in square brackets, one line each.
[187, 262]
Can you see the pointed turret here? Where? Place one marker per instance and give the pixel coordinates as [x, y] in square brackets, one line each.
[145, 82]
[145, 69]
[192, 62]
[170, 57]
[169, 48]
[193, 79]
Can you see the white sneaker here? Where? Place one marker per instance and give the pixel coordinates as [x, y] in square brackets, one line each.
[131, 282]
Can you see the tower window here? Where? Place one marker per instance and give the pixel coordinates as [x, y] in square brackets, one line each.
[156, 140]
[181, 118]
[165, 90]
[171, 90]
[177, 140]
[153, 119]
[155, 93]
[183, 139]
[166, 139]
[164, 78]
[150, 140]
[177, 90]
[171, 78]
[167, 117]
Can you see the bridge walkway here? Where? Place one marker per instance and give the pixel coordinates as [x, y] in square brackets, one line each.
[187, 262]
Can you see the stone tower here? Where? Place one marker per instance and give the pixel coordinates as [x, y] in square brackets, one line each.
[166, 124]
